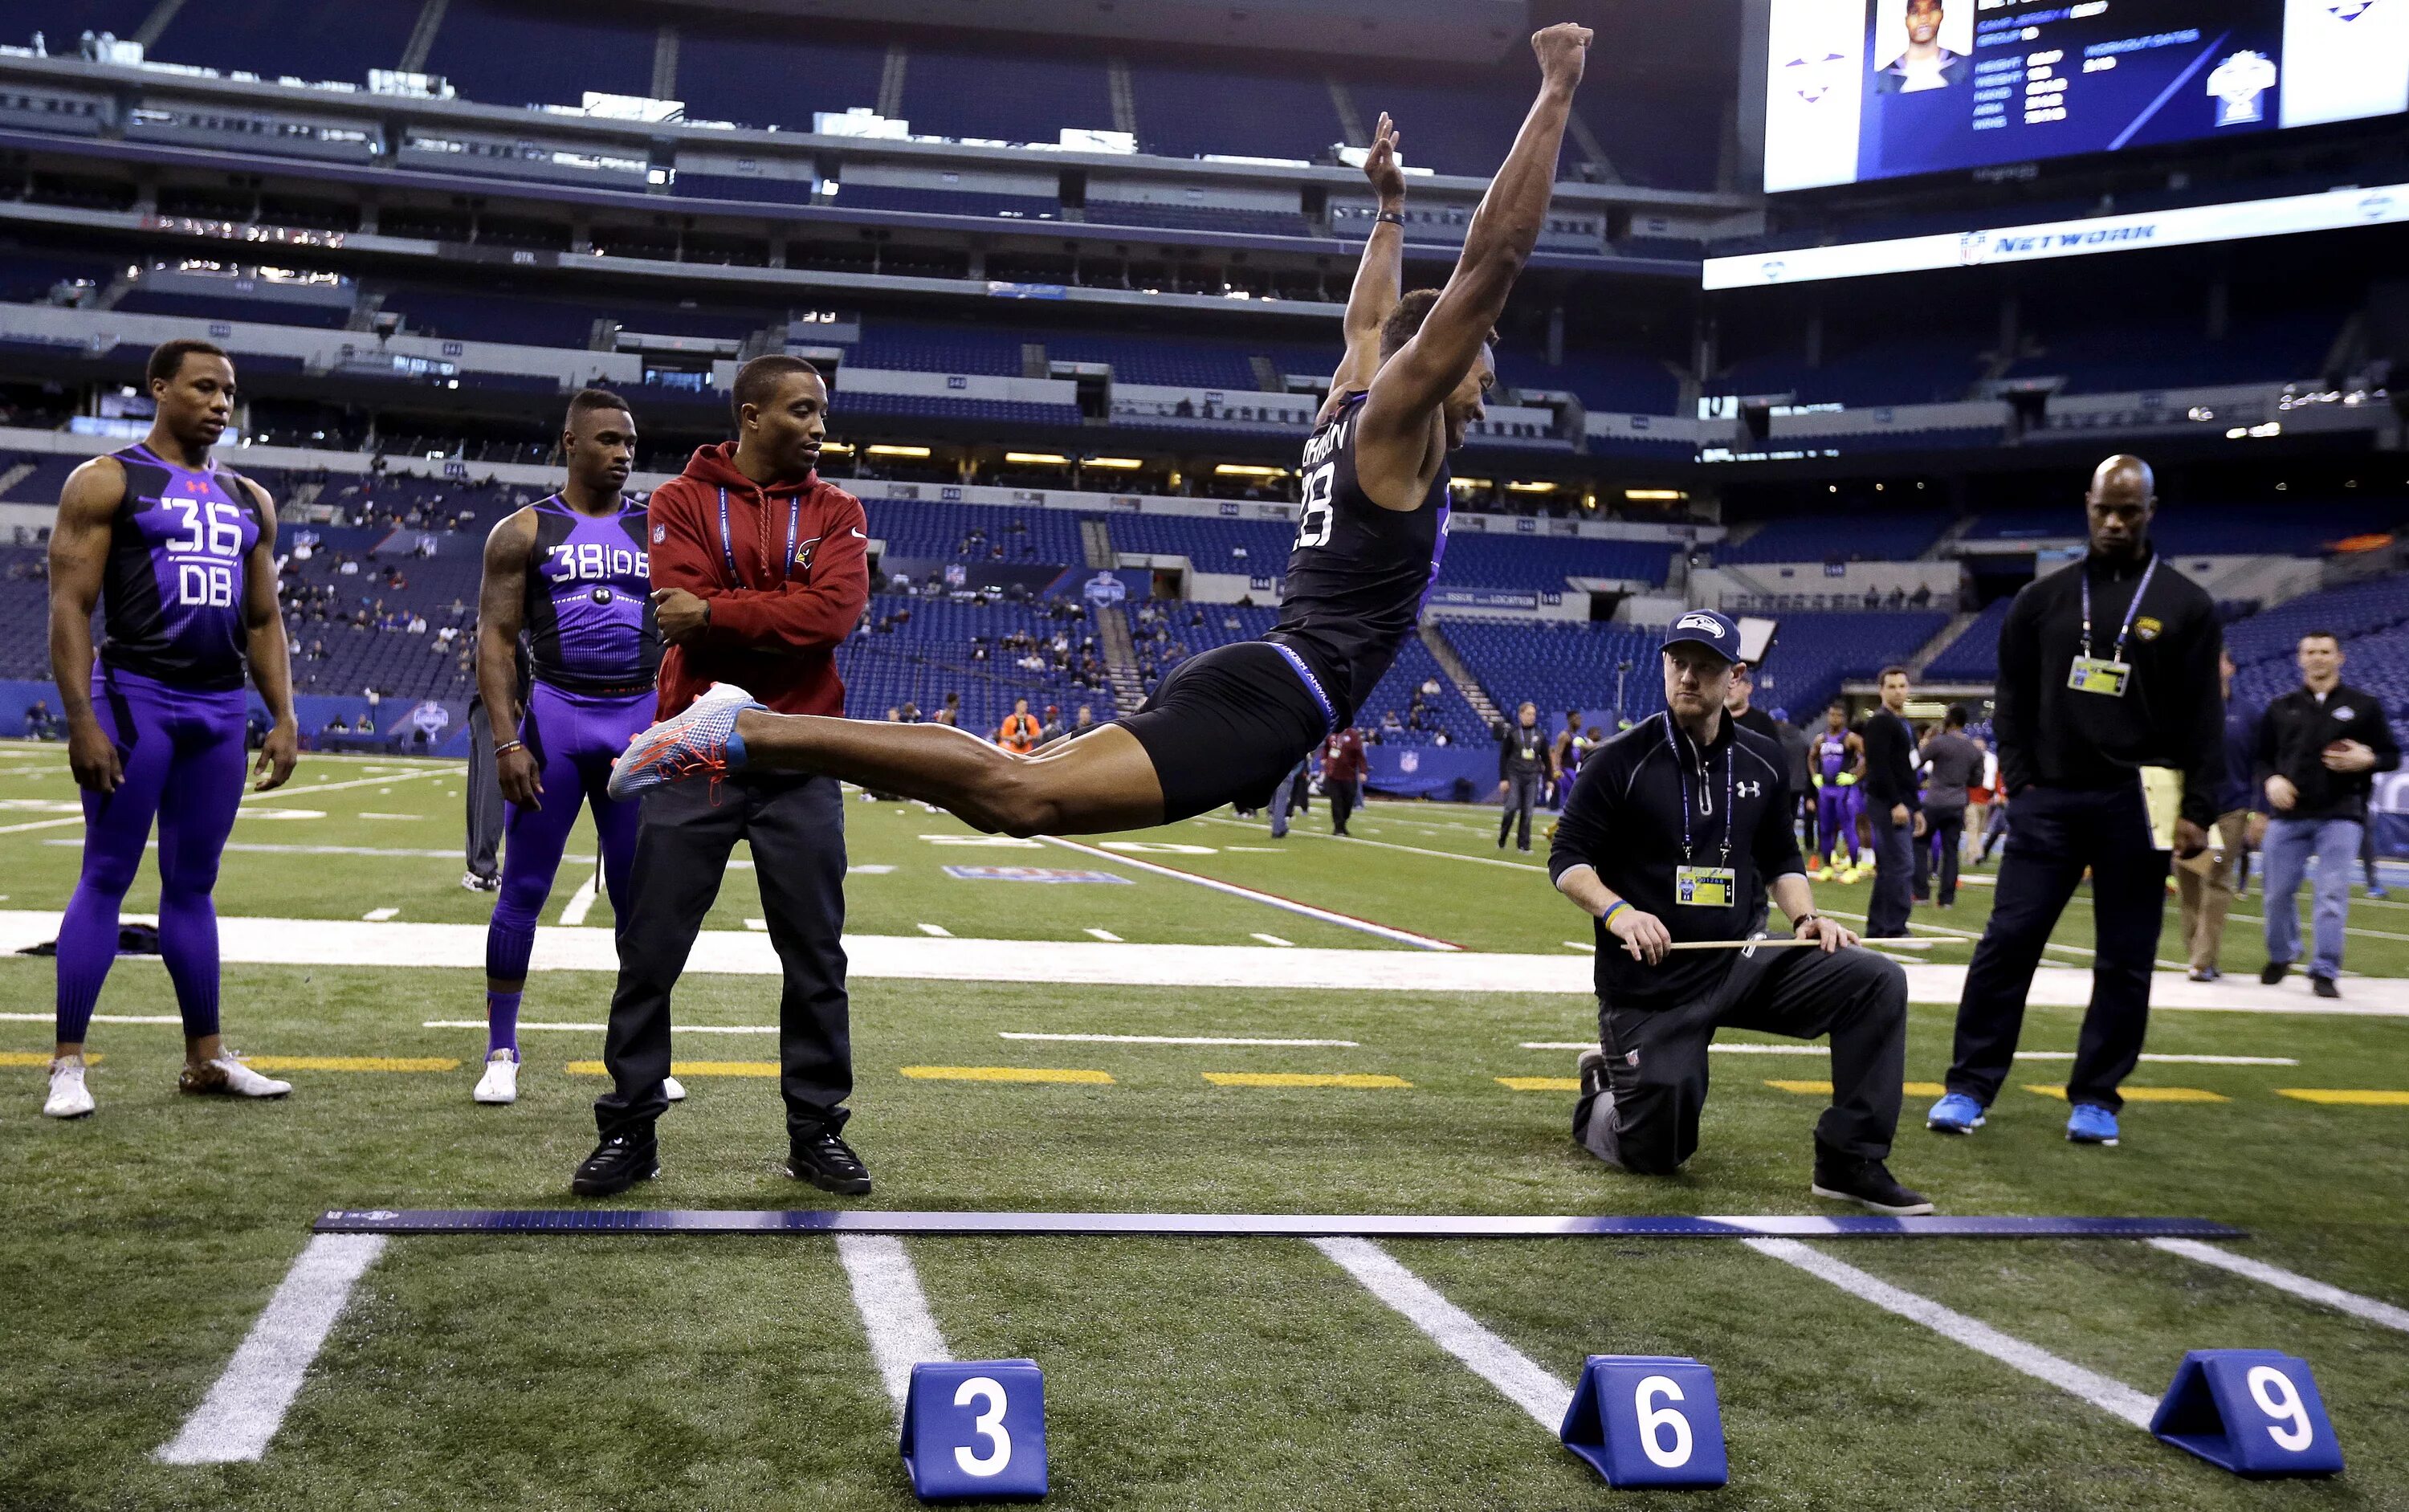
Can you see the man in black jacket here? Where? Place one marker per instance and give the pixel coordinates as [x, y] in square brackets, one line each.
[1677, 832]
[1892, 804]
[2318, 747]
[1521, 773]
[2108, 685]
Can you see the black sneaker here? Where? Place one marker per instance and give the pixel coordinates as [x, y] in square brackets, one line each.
[616, 1164]
[828, 1163]
[1867, 1182]
[2274, 971]
[2324, 986]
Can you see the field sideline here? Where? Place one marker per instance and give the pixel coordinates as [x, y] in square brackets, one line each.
[719, 1372]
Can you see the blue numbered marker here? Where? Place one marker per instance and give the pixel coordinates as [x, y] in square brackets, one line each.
[1648, 1420]
[975, 1428]
[2255, 1412]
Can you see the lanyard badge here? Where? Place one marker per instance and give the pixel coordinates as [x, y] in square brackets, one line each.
[2111, 675]
[1703, 886]
[727, 542]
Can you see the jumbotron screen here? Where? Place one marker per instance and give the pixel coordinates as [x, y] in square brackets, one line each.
[1858, 90]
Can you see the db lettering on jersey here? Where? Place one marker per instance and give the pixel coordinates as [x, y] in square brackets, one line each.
[584, 559]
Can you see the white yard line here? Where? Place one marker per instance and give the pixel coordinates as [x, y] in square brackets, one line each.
[596, 1029]
[47, 1017]
[2291, 1281]
[1515, 1375]
[894, 1310]
[581, 902]
[1746, 1048]
[246, 1406]
[252, 849]
[1273, 940]
[1392, 845]
[266, 800]
[1344, 921]
[377, 915]
[1169, 1039]
[1105, 935]
[934, 931]
[2113, 1397]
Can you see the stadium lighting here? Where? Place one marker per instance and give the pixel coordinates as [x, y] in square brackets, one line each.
[1124, 463]
[899, 451]
[1531, 488]
[1248, 469]
[840, 448]
[1051, 459]
[1657, 495]
[1468, 483]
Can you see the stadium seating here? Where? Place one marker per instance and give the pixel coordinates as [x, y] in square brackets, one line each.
[1148, 359]
[300, 38]
[927, 648]
[1480, 121]
[500, 53]
[1559, 664]
[861, 197]
[930, 406]
[930, 348]
[974, 532]
[1200, 218]
[1974, 656]
[1479, 560]
[140, 301]
[760, 73]
[2352, 612]
[2303, 528]
[948, 93]
[1209, 545]
[1817, 652]
[1191, 111]
[1858, 537]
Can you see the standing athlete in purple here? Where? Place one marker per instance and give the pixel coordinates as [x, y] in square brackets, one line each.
[180, 554]
[573, 574]
[1230, 723]
[1840, 762]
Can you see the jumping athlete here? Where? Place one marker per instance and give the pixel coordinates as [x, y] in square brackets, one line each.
[1839, 761]
[180, 555]
[573, 574]
[1230, 724]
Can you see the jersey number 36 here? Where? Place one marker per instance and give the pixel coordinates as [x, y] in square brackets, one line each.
[1313, 521]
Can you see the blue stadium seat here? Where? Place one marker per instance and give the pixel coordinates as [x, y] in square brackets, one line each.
[305, 39]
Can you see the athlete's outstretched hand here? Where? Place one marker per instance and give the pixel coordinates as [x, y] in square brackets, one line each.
[1563, 53]
[276, 755]
[91, 756]
[1381, 166]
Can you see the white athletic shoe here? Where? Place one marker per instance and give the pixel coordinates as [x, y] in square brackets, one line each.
[672, 1088]
[69, 1097]
[474, 883]
[227, 1076]
[500, 1082]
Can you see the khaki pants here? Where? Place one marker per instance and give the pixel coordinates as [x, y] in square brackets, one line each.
[2205, 886]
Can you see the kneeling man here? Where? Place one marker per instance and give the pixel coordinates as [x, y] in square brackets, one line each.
[1677, 830]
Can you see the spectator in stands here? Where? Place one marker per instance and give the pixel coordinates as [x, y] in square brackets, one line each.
[1954, 764]
[952, 712]
[1342, 775]
[1020, 732]
[1521, 771]
[2107, 685]
[2205, 884]
[1391, 724]
[1893, 806]
[2318, 747]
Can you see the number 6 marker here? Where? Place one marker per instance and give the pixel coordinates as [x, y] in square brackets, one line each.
[1648, 1420]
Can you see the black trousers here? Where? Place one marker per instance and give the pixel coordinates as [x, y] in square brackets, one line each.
[796, 827]
[1522, 797]
[1342, 797]
[1894, 874]
[2057, 833]
[484, 795]
[1949, 825]
[1807, 806]
[1656, 1057]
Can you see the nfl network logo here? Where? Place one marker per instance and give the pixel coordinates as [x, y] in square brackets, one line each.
[2348, 11]
[1973, 247]
[1812, 78]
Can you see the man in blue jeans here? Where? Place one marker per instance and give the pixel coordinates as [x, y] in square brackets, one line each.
[2318, 747]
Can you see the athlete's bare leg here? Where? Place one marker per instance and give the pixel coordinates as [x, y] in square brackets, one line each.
[1101, 782]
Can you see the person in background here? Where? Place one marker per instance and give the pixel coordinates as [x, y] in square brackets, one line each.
[2367, 857]
[1020, 732]
[1978, 798]
[1956, 764]
[2205, 884]
[1563, 759]
[1736, 703]
[1051, 729]
[1798, 755]
[1521, 771]
[2319, 747]
[1892, 805]
[1284, 799]
[1342, 775]
[1840, 762]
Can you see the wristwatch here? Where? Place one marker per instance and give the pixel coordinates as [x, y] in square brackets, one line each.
[1803, 920]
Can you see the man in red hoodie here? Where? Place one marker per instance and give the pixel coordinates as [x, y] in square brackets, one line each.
[760, 571]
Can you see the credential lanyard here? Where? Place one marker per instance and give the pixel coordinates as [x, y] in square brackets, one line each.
[727, 542]
[1681, 773]
[2130, 609]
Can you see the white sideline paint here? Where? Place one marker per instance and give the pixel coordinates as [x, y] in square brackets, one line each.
[935, 931]
[581, 902]
[1515, 1375]
[377, 915]
[102, 1018]
[1748, 1049]
[894, 1310]
[1171, 1039]
[1580, 944]
[1105, 935]
[247, 799]
[246, 1406]
[2113, 1397]
[2291, 1281]
[1273, 940]
[1345, 921]
[1359, 841]
[255, 848]
[595, 1028]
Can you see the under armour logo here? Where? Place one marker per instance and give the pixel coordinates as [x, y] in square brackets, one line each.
[1749, 789]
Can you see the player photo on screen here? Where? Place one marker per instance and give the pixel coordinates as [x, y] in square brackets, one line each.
[1928, 45]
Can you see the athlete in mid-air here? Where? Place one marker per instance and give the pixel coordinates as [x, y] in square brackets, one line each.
[1230, 724]
[573, 575]
[178, 553]
[1379, 276]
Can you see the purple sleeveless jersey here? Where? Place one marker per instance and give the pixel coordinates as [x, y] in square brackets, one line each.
[171, 591]
[589, 612]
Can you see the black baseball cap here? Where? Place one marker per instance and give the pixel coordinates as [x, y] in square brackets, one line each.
[1704, 627]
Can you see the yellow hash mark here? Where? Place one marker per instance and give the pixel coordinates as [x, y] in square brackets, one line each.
[351, 1063]
[1540, 1084]
[687, 1068]
[1298, 1078]
[2146, 1094]
[2348, 1096]
[1007, 1073]
[37, 1057]
[1825, 1088]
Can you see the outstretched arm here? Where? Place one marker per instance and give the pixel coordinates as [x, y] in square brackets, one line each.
[1503, 231]
[1380, 278]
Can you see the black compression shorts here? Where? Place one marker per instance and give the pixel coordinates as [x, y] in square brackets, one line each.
[1226, 725]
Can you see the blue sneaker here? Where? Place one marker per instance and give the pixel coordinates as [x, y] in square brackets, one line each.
[2091, 1124]
[699, 742]
[1955, 1114]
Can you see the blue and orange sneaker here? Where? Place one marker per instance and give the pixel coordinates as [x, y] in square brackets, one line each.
[700, 741]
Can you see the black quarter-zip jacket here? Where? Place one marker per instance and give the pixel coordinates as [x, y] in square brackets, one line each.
[1625, 820]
